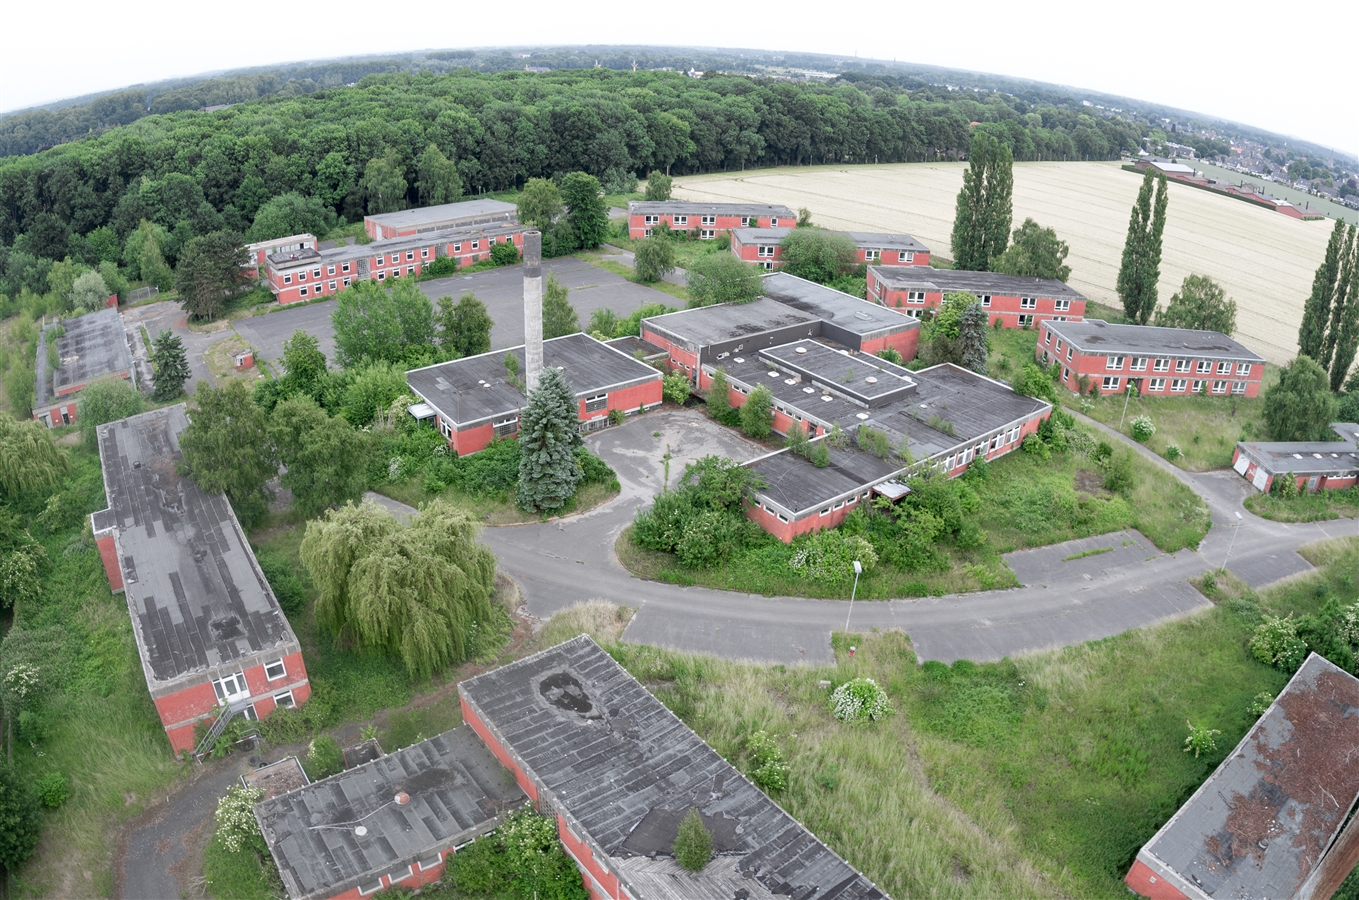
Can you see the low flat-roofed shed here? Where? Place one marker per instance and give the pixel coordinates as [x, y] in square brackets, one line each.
[926, 278]
[198, 599]
[1261, 823]
[872, 240]
[445, 215]
[349, 830]
[94, 346]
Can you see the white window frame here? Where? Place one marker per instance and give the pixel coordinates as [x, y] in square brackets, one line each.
[825, 512]
[1028, 302]
[1156, 385]
[1204, 367]
[476, 245]
[457, 248]
[365, 890]
[330, 270]
[271, 665]
[745, 221]
[1182, 365]
[1066, 373]
[1197, 386]
[764, 250]
[1139, 364]
[1161, 364]
[1238, 387]
[241, 692]
[430, 862]
[345, 267]
[651, 220]
[710, 221]
[1069, 351]
[410, 270]
[906, 256]
[1111, 383]
[872, 255]
[410, 255]
[380, 261]
[1061, 305]
[773, 223]
[597, 402]
[1224, 367]
[1178, 385]
[302, 291]
[287, 279]
[1219, 386]
[346, 282]
[1243, 368]
[707, 234]
[382, 276]
[680, 220]
[316, 272]
[915, 296]
[285, 700]
[507, 427]
[424, 253]
[302, 276]
[1025, 319]
[986, 300]
[330, 285]
[1113, 363]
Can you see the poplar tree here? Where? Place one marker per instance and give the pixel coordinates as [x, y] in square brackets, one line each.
[465, 327]
[981, 225]
[1141, 267]
[548, 471]
[1345, 330]
[1316, 312]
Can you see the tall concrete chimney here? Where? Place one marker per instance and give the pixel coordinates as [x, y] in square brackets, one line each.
[533, 309]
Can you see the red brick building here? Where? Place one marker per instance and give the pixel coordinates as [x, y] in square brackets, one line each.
[212, 638]
[89, 348]
[476, 399]
[262, 250]
[592, 747]
[761, 247]
[704, 220]
[1267, 822]
[1011, 300]
[1166, 362]
[1313, 465]
[463, 214]
[307, 274]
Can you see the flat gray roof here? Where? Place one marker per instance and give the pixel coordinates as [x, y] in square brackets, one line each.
[473, 211]
[832, 306]
[761, 235]
[478, 388]
[870, 240]
[1096, 336]
[682, 207]
[625, 770]
[93, 347]
[306, 257]
[457, 789]
[925, 278]
[1308, 457]
[197, 597]
[727, 321]
[797, 485]
[1260, 824]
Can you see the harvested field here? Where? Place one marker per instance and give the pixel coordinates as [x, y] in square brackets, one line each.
[1264, 260]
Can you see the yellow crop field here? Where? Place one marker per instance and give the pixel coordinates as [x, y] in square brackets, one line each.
[1263, 259]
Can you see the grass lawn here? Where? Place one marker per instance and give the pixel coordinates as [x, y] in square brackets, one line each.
[1314, 507]
[1010, 349]
[220, 362]
[1038, 776]
[1025, 502]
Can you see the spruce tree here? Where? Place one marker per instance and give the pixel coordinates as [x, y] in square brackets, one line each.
[1347, 304]
[972, 338]
[548, 471]
[981, 225]
[1141, 267]
[171, 366]
[1316, 312]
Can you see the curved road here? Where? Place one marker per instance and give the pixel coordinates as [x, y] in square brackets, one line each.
[561, 562]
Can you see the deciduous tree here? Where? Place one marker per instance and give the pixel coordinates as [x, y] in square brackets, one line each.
[103, 402]
[658, 185]
[1300, 406]
[373, 321]
[1035, 252]
[655, 258]
[757, 413]
[420, 593]
[816, 254]
[20, 819]
[585, 209]
[721, 278]
[88, 292]
[325, 457]
[1316, 312]
[303, 361]
[464, 327]
[29, 459]
[559, 317]
[1141, 266]
[981, 223]
[539, 203]
[548, 470]
[227, 448]
[1201, 304]
[211, 271]
[384, 183]
[437, 177]
[289, 214]
[170, 365]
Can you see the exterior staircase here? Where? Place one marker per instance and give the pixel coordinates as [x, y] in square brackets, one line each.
[225, 713]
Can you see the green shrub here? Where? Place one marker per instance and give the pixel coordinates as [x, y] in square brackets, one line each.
[694, 843]
[1142, 428]
[52, 789]
[236, 826]
[1118, 473]
[1173, 452]
[860, 700]
[504, 253]
[827, 557]
[324, 758]
[1201, 740]
[1276, 643]
[675, 388]
[288, 588]
[757, 413]
[442, 267]
[596, 470]
[1259, 704]
[616, 416]
[768, 767]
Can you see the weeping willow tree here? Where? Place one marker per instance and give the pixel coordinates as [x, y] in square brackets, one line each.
[29, 459]
[419, 592]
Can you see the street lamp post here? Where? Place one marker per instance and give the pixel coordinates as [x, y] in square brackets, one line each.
[1232, 543]
[858, 569]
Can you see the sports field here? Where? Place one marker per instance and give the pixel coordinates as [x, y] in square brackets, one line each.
[1264, 260]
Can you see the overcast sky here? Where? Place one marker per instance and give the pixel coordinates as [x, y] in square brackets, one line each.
[1245, 61]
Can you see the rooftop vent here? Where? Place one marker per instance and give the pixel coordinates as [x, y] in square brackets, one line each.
[361, 830]
[773, 374]
[790, 381]
[402, 798]
[801, 350]
[808, 390]
[739, 360]
[871, 380]
[1317, 455]
[861, 415]
[862, 315]
[826, 397]
[1297, 456]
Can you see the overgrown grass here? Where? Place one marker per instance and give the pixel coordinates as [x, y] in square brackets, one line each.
[242, 875]
[496, 510]
[1205, 429]
[1313, 507]
[1010, 349]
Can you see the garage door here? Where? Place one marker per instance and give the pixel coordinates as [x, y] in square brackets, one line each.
[1242, 463]
[1261, 479]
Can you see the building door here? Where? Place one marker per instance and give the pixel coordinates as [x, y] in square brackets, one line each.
[1312, 483]
[231, 689]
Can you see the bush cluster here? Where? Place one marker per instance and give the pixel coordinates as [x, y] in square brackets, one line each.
[860, 700]
[324, 758]
[702, 521]
[1332, 632]
[768, 767]
[521, 860]
[827, 557]
[1143, 428]
[237, 829]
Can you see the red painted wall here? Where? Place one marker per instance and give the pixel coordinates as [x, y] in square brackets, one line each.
[1095, 368]
[108, 553]
[580, 852]
[200, 700]
[637, 226]
[1143, 881]
[626, 399]
[906, 343]
[471, 718]
[1003, 309]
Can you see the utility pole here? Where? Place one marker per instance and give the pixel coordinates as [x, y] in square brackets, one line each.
[858, 569]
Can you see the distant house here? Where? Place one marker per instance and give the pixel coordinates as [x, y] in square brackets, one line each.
[212, 639]
[705, 219]
[1267, 823]
[260, 251]
[1314, 465]
[761, 246]
[1012, 300]
[463, 214]
[1170, 169]
[85, 349]
[1099, 357]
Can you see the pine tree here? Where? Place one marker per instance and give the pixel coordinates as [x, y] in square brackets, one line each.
[548, 471]
[1347, 302]
[1141, 267]
[972, 338]
[981, 225]
[693, 846]
[1316, 312]
[171, 366]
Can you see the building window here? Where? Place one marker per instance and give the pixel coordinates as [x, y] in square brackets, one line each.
[745, 221]
[1224, 368]
[346, 282]
[1243, 368]
[371, 887]
[986, 300]
[915, 296]
[1204, 367]
[507, 427]
[1197, 386]
[457, 248]
[1111, 382]
[1139, 364]
[316, 273]
[380, 261]
[707, 234]
[765, 250]
[646, 233]
[1026, 320]
[330, 270]
[1238, 387]
[773, 223]
[1014, 434]
[301, 276]
[287, 279]
[1069, 351]
[400, 874]
[906, 256]
[285, 699]
[410, 255]
[330, 285]
[596, 403]
[782, 517]
[275, 669]
[1061, 305]
[1181, 365]
[680, 220]
[232, 687]
[410, 270]
[1113, 363]
[431, 862]
[424, 253]
[476, 245]
[302, 292]
[382, 276]
[1219, 387]
[826, 511]
[710, 221]
[1156, 385]
[1177, 385]
[345, 267]
[651, 220]
[1066, 373]
[872, 255]
[1028, 302]
[1161, 365]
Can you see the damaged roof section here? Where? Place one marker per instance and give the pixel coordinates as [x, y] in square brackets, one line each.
[625, 770]
[1260, 825]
